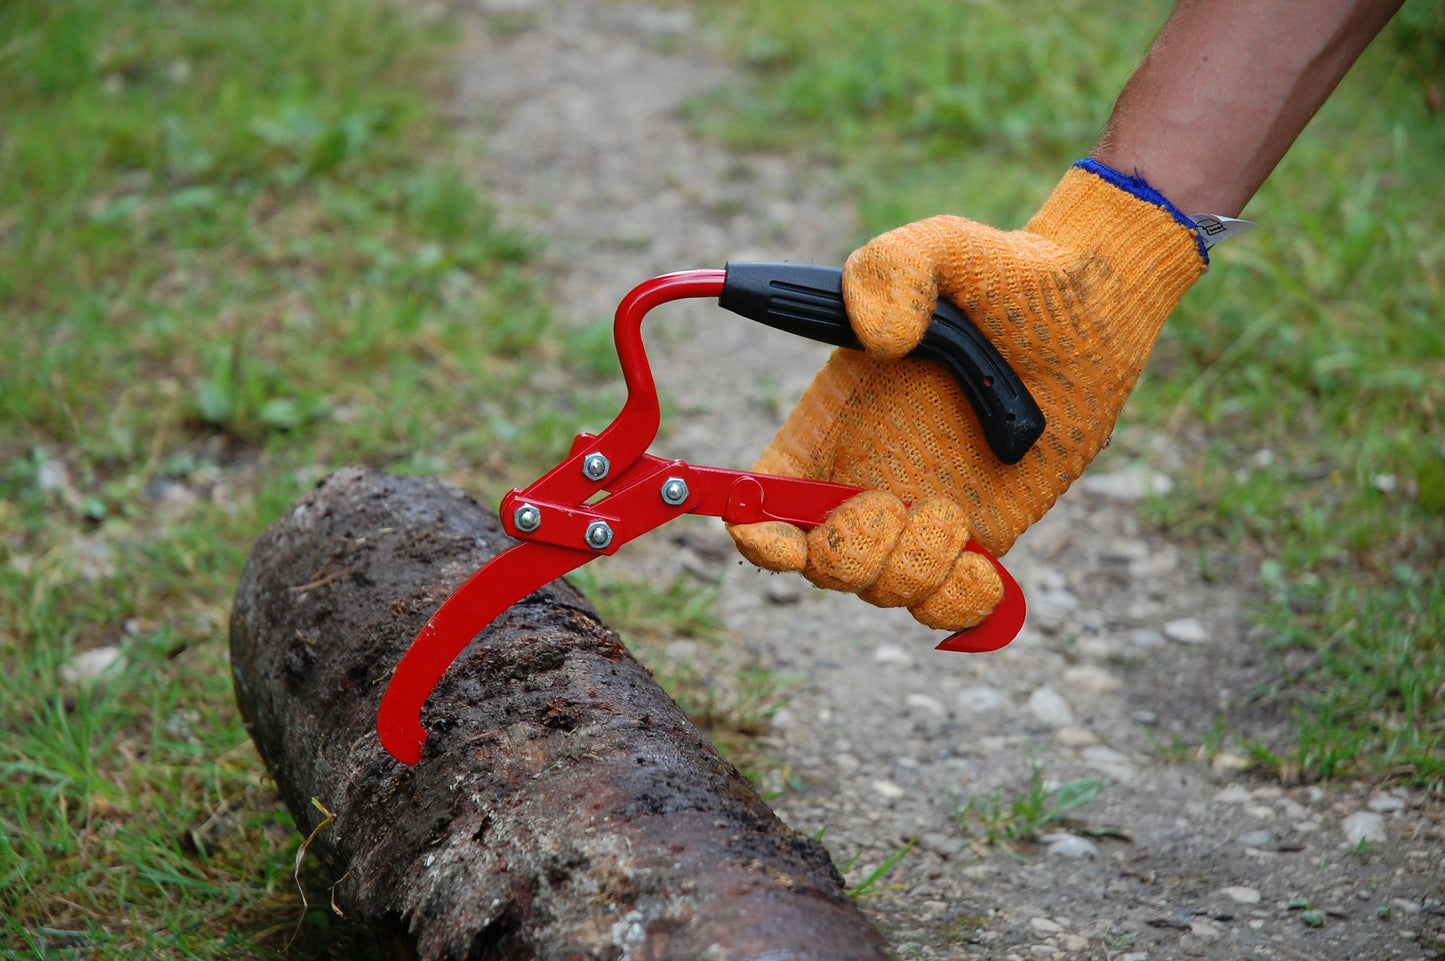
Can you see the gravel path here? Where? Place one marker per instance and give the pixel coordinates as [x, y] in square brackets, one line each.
[575, 105]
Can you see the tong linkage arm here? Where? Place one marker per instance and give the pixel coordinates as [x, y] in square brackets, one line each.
[562, 524]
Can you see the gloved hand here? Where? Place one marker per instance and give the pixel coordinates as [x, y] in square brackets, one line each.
[1073, 302]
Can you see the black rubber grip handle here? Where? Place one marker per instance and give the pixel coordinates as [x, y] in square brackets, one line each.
[807, 300]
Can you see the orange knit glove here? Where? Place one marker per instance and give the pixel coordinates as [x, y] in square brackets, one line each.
[1073, 302]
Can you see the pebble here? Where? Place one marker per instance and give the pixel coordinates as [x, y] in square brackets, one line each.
[1292, 809]
[1087, 677]
[1385, 804]
[1076, 736]
[1129, 484]
[1255, 839]
[1049, 706]
[1075, 942]
[982, 698]
[1045, 926]
[1363, 826]
[1228, 761]
[1146, 638]
[1205, 930]
[892, 654]
[1406, 906]
[1058, 598]
[52, 476]
[1066, 845]
[889, 790]
[1241, 895]
[1186, 630]
[925, 703]
[89, 665]
[1233, 794]
[1161, 562]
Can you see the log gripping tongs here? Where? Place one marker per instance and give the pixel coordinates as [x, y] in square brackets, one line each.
[563, 523]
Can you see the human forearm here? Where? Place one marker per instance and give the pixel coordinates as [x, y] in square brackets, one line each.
[1225, 90]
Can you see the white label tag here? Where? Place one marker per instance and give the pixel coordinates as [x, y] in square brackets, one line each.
[1214, 229]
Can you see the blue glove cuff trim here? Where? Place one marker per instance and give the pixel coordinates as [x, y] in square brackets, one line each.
[1140, 188]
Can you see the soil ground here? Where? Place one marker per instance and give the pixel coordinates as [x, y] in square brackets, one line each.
[575, 105]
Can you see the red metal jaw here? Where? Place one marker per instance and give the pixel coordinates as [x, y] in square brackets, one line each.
[562, 527]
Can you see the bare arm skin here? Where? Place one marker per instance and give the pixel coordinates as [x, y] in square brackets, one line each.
[1227, 87]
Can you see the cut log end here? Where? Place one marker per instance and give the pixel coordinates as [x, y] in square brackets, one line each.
[563, 808]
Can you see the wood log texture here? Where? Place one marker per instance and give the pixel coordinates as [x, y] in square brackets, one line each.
[564, 809]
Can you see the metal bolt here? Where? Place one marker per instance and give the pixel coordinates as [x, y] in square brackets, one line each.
[674, 491]
[599, 535]
[527, 518]
[595, 467]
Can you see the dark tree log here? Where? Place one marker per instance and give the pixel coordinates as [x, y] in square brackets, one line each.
[565, 808]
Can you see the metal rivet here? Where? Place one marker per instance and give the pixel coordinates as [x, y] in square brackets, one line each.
[595, 467]
[599, 535]
[674, 491]
[527, 518]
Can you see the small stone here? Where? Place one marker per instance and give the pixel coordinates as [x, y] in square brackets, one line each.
[89, 665]
[1049, 706]
[51, 476]
[1146, 638]
[1057, 598]
[1205, 930]
[1233, 794]
[1076, 737]
[982, 699]
[1292, 809]
[1241, 895]
[1255, 839]
[1066, 845]
[1045, 926]
[1405, 906]
[1386, 804]
[1362, 827]
[892, 654]
[1226, 761]
[1261, 811]
[1129, 484]
[1153, 566]
[889, 790]
[1186, 630]
[1075, 942]
[1086, 677]
[925, 703]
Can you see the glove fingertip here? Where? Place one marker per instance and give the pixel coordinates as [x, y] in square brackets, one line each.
[771, 545]
[971, 592]
[890, 296]
[848, 550]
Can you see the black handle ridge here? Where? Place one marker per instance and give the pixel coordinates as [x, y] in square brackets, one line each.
[807, 300]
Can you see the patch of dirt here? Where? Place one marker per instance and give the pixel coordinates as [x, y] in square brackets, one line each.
[575, 104]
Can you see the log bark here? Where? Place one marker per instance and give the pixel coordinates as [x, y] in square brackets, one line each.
[564, 809]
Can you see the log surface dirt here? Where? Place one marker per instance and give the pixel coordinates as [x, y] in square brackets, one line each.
[565, 808]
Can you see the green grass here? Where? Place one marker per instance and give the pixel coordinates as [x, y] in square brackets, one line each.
[1301, 380]
[996, 820]
[238, 248]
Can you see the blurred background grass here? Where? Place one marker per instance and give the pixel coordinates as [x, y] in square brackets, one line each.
[238, 248]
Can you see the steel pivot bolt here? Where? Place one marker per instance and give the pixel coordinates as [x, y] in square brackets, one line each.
[595, 467]
[527, 518]
[599, 535]
[674, 491]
